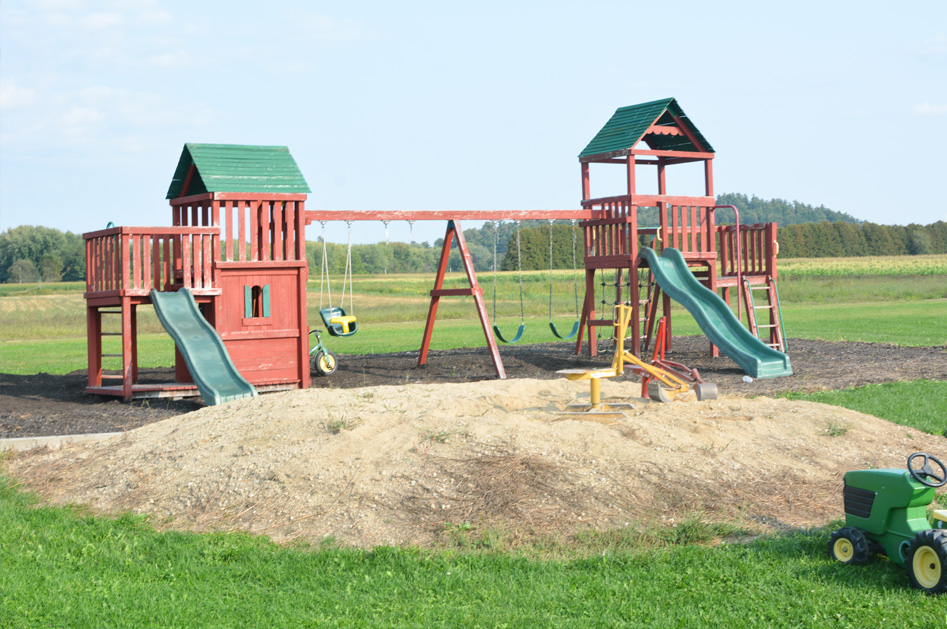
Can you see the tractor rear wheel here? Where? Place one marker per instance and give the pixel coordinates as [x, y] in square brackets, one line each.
[849, 545]
[927, 561]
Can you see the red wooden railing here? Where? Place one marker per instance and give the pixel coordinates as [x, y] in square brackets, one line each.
[757, 247]
[687, 225]
[130, 261]
[253, 228]
[610, 237]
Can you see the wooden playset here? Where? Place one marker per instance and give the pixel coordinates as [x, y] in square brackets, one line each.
[237, 247]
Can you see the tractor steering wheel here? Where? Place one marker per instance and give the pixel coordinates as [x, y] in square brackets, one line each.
[925, 474]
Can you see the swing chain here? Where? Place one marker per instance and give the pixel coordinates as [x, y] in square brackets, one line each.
[348, 273]
[386, 246]
[519, 265]
[496, 241]
[324, 271]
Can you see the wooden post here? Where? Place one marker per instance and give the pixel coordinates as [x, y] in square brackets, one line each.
[300, 254]
[94, 335]
[586, 185]
[126, 349]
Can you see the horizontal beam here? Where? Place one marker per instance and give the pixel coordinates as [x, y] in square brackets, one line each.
[238, 196]
[152, 231]
[445, 215]
[654, 153]
[649, 200]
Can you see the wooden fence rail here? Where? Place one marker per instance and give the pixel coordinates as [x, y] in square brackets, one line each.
[132, 260]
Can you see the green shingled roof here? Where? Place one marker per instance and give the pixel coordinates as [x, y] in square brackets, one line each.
[237, 168]
[627, 127]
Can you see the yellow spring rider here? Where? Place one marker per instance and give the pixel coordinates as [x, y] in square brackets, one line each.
[673, 385]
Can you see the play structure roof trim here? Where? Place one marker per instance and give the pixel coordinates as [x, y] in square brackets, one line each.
[628, 125]
[237, 168]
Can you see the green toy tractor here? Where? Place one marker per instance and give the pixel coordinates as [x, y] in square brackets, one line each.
[886, 513]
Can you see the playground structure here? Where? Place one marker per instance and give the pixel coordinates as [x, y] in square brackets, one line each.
[237, 247]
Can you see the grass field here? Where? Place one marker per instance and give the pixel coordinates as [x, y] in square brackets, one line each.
[42, 328]
[62, 567]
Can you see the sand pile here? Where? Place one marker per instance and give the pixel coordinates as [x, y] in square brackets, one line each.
[402, 464]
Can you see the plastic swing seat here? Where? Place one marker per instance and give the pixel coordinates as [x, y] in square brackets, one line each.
[338, 323]
[575, 330]
[517, 337]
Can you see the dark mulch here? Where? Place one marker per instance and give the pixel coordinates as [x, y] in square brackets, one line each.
[45, 404]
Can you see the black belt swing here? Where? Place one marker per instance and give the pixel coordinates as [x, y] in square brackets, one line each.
[575, 287]
[519, 265]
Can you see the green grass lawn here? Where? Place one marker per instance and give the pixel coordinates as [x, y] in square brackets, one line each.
[61, 568]
[921, 404]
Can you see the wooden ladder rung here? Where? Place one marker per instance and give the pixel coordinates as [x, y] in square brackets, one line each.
[112, 377]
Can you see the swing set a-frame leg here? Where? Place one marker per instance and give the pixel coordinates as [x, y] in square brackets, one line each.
[454, 229]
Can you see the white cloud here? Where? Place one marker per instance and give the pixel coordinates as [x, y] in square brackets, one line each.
[927, 109]
[78, 116]
[12, 96]
[101, 20]
[155, 17]
[168, 60]
[327, 29]
[78, 123]
[55, 5]
[936, 45]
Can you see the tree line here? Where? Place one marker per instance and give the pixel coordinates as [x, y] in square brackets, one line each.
[33, 254]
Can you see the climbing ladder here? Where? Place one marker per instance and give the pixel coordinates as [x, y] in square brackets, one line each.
[769, 303]
[105, 349]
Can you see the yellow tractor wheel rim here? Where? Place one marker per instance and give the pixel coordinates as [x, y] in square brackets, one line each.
[327, 362]
[843, 549]
[927, 568]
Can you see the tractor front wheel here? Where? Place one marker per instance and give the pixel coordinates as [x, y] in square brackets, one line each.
[324, 363]
[849, 545]
[927, 561]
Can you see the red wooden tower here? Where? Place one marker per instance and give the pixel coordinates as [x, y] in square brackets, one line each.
[237, 243]
[659, 135]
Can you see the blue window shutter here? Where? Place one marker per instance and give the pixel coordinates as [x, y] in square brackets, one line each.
[266, 300]
[247, 302]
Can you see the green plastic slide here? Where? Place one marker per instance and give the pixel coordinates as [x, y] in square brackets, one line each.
[207, 359]
[714, 316]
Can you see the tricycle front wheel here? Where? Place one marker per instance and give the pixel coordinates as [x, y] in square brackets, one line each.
[324, 362]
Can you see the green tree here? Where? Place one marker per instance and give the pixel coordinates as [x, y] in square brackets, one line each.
[919, 241]
[28, 242]
[51, 268]
[23, 271]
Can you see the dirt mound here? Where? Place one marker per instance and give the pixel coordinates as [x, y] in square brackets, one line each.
[399, 465]
[45, 404]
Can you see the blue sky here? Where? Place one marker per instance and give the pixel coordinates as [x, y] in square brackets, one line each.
[457, 106]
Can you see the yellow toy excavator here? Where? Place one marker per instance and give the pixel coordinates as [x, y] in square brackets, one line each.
[656, 376]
